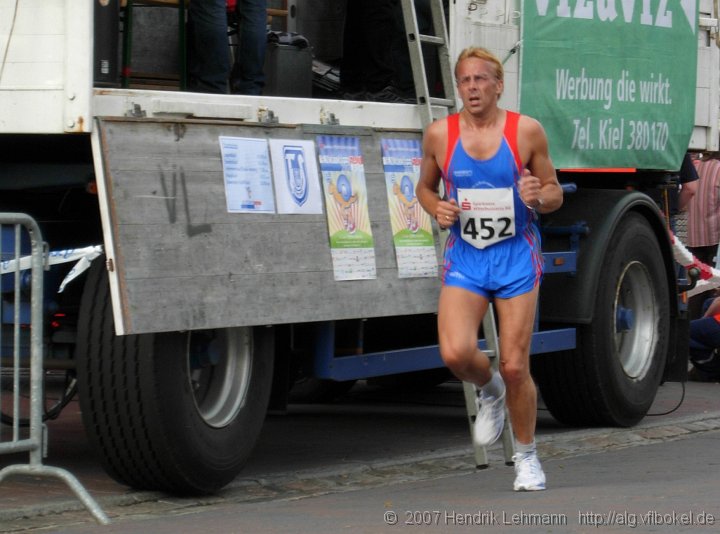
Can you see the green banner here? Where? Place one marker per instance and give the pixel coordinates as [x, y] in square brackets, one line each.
[611, 81]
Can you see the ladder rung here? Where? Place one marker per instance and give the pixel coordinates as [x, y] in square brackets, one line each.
[441, 102]
[431, 39]
[439, 40]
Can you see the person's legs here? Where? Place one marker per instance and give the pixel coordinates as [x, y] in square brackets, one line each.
[517, 317]
[516, 321]
[460, 313]
[704, 340]
[352, 75]
[378, 27]
[248, 74]
[704, 334]
[208, 53]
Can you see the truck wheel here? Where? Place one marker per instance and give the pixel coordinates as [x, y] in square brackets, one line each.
[613, 375]
[177, 412]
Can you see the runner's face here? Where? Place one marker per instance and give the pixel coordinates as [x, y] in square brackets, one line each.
[477, 84]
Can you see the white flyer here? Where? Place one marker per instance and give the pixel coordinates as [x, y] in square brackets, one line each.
[246, 171]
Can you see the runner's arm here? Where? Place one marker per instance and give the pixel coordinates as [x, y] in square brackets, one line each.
[427, 191]
[548, 196]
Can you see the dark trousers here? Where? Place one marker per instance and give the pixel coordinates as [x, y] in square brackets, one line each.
[704, 340]
[368, 45]
[248, 75]
[208, 51]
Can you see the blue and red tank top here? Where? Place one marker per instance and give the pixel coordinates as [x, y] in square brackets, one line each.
[502, 170]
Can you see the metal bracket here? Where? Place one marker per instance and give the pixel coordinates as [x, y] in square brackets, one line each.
[267, 116]
[136, 112]
[328, 118]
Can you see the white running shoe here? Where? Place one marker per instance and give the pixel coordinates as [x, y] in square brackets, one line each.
[489, 421]
[529, 475]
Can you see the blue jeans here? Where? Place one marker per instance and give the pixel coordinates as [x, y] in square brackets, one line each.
[248, 74]
[207, 43]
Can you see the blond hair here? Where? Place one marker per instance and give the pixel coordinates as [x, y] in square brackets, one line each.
[484, 54]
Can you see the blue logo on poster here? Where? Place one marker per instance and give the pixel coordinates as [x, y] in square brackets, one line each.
[344, 187]
[407, 187]
[296, 173]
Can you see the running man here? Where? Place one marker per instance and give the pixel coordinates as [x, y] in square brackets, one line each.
[497, 174]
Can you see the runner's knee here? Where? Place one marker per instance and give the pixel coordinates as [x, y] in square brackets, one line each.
[458, 356]
[514, 372]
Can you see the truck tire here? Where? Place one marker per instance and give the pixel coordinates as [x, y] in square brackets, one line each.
[177, 412]
[611, 378]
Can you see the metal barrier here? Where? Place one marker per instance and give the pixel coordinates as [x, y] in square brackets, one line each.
[21, 232]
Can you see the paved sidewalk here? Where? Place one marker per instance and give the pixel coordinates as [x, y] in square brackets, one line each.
[364, 440]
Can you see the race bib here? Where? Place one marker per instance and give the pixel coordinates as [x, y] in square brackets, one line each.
[487, 216]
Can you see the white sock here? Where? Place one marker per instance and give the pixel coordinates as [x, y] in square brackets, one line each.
[525, 449]
[494, 388]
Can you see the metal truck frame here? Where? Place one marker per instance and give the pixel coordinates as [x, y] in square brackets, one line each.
[179, 333]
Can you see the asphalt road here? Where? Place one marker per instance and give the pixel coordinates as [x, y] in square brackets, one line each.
[342, 466]
[668, 486]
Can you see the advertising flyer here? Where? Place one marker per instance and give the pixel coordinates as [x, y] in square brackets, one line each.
[411, 228]
[246, 170]
[343, 178]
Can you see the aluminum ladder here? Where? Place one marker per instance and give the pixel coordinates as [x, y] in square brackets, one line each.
[440, 40]
[449, 104]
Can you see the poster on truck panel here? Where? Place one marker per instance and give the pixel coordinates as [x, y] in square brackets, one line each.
[612, 82]
[295, 173]
[411, 228]
[343, 177]
[247, 176]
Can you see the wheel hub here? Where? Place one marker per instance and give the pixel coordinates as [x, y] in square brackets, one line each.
[219, 369]
[636, 319]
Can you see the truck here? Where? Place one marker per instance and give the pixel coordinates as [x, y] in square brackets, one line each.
[238, 245]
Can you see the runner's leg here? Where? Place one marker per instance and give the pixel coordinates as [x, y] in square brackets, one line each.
[516, 321]
[460, 313]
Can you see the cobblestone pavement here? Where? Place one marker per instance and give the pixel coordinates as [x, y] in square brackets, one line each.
[384, 458]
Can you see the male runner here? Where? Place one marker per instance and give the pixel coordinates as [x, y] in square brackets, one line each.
[498, 175]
